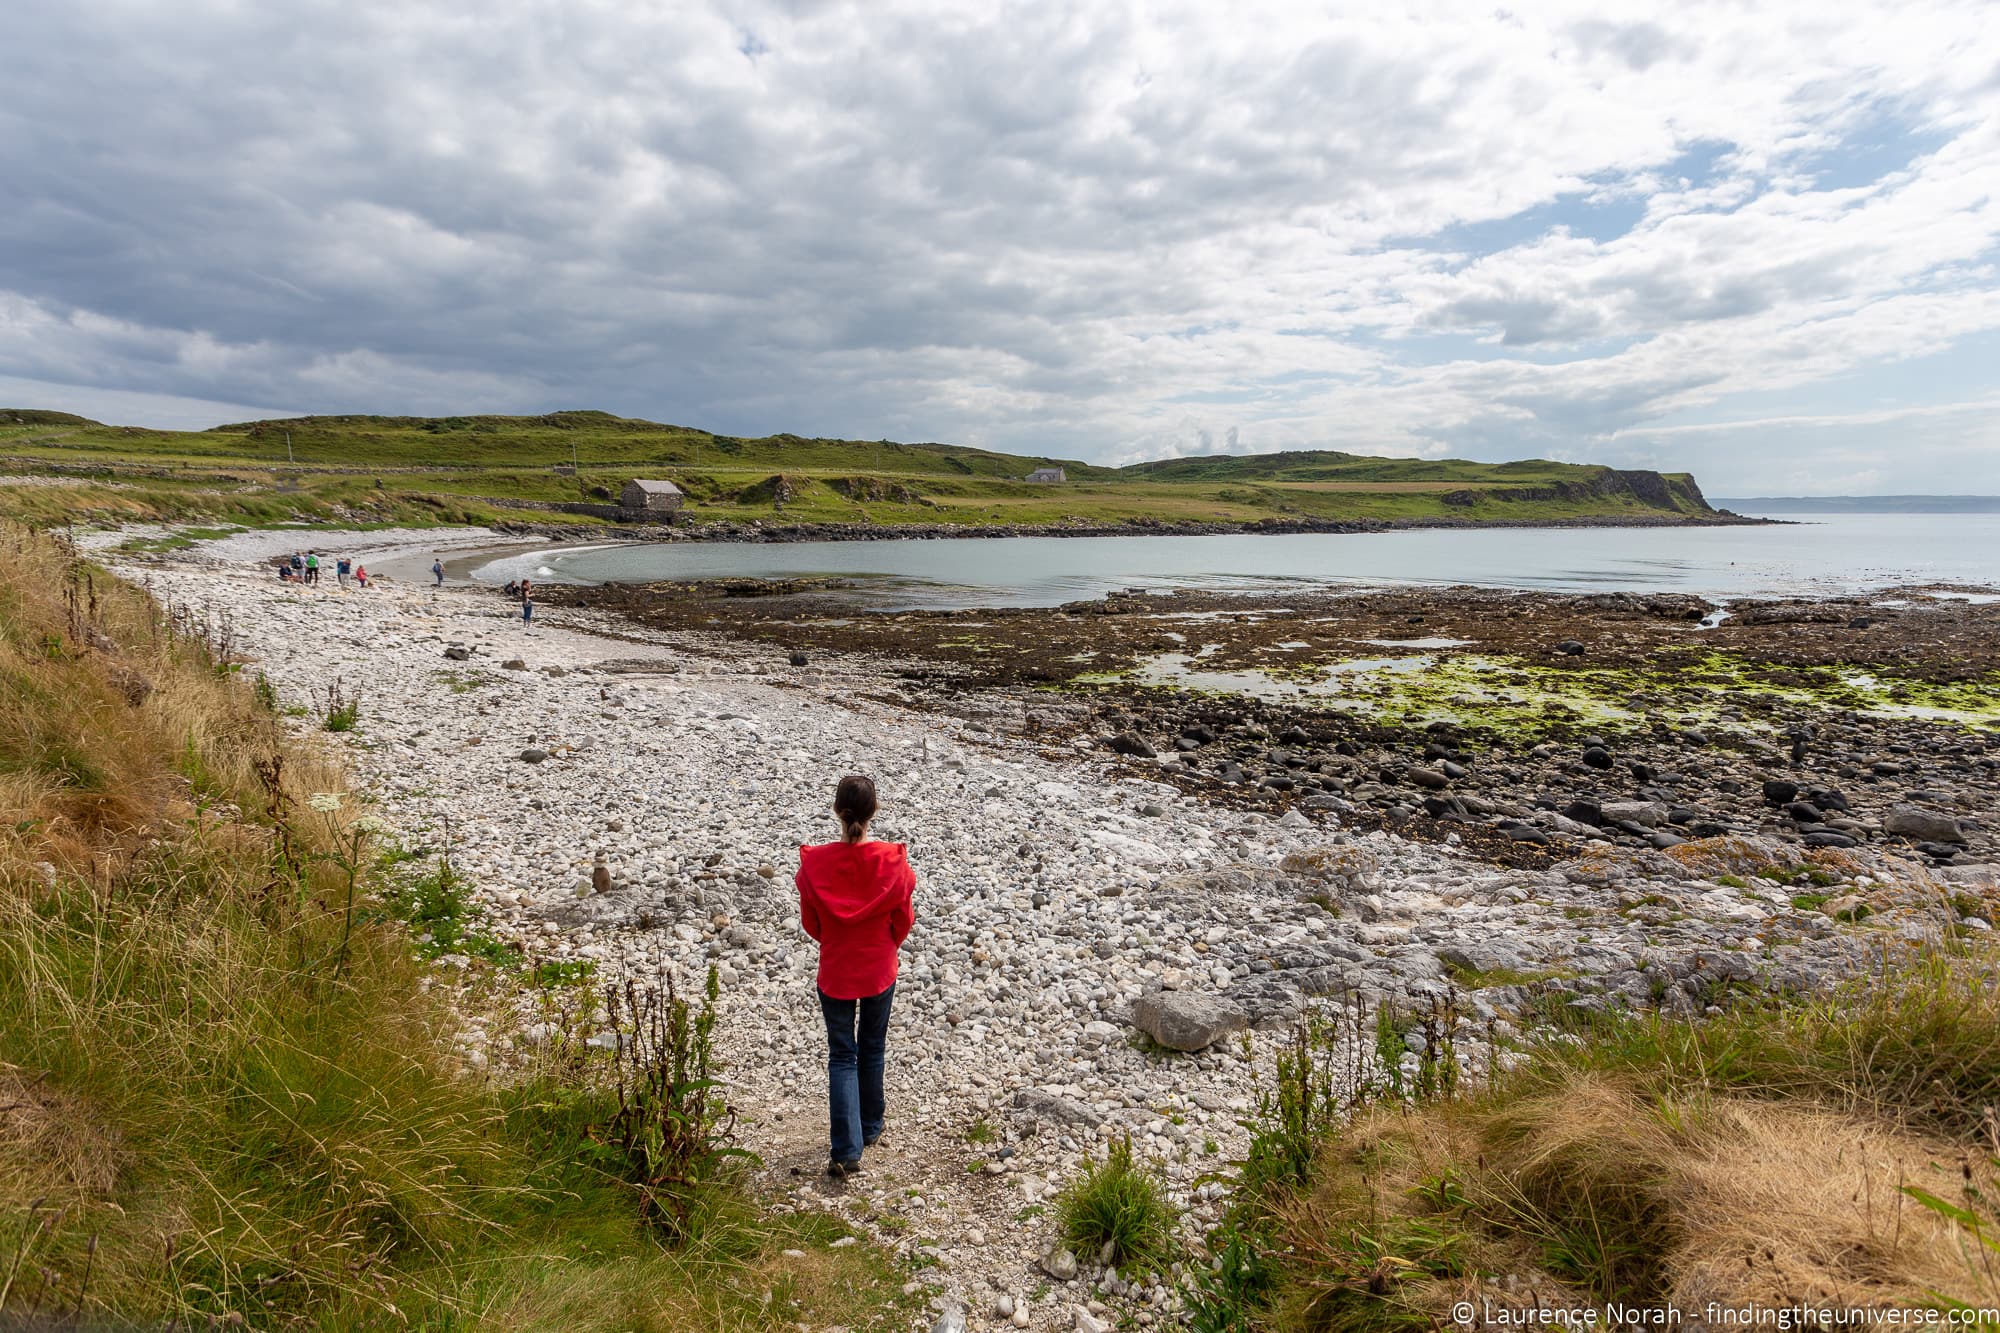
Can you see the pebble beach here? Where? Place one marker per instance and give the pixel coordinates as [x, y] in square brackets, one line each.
[1066, 900]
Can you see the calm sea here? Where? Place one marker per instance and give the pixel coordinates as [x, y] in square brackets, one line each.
[1824, 555]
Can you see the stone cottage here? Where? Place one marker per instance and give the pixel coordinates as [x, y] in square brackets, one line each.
[650, 497]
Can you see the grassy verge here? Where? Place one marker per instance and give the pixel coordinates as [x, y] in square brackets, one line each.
[227, 1090]
[1830, 1152]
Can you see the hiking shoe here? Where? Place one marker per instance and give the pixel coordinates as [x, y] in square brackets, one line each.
[840, 1170]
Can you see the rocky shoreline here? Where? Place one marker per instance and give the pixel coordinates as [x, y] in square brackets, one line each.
[1114, 853]
[1523, 724]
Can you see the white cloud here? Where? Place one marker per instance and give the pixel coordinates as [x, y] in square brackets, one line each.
[1112, 232]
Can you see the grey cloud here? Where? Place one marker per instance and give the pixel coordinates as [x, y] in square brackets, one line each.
[928, 224]
[1639, 45]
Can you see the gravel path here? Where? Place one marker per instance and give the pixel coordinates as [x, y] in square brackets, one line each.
[1054, 892]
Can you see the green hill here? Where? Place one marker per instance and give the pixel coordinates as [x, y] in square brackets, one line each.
[35, 416]
[485, 469]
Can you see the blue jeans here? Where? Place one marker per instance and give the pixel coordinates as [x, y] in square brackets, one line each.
[857, 1035]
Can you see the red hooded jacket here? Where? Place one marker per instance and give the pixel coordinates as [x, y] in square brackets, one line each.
[854, 898]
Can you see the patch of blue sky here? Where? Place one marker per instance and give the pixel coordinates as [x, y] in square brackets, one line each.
[1433, 349]
[1265, 388]
[1193, 331]
[1963, 370]
[1599, 217]
[1611, 207]
[1886, 141]
[1697, 165]
[1220, 397]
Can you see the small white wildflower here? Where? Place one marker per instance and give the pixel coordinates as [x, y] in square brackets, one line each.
[324, 801]
[371, 824]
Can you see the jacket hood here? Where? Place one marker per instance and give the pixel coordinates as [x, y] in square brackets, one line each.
[853, 881]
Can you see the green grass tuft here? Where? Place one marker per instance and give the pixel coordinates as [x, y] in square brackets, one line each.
[1119, 1203]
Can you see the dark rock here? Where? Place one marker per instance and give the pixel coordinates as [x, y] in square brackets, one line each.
[1597, 758]
[1828, 838]
[797, 659]
[458, 653]
[1427, 777]
[1584, 812]
[534, 754]
[1126, 743]
[1778, 792]
[1570, 648]
[1804, 812]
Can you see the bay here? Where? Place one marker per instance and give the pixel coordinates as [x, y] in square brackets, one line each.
[1843, 553]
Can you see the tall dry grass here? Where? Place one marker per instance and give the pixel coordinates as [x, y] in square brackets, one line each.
[226, 1094]
[1773, 1156]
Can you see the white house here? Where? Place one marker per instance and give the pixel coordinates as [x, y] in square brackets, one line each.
[1047, 474]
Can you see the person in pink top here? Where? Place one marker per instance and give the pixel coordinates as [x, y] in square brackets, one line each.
[855, 899]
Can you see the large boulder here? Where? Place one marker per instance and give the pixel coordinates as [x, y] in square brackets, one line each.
[1186, 1020]
[1922, 825]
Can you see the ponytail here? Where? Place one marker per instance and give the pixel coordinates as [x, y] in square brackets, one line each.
[854, 802]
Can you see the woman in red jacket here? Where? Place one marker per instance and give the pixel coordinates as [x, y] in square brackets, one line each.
[854, 898]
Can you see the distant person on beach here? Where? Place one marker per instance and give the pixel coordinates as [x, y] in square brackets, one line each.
[855, 899]
[437, 572]
[361, 575]
[527, 608]
[298, 566]
[341, 570]
[312, 567]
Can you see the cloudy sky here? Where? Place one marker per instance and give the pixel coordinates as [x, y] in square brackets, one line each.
[1758, 241]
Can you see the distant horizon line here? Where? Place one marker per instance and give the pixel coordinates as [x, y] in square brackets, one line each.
[1864, 495]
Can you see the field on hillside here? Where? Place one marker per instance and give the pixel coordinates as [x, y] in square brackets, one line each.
[395, 470]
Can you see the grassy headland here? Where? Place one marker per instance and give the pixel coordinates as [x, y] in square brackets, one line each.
[229, 1092]
[487, 469]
